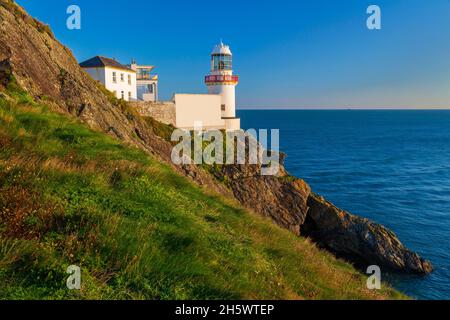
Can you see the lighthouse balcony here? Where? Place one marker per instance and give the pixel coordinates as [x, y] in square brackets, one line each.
[221, 79]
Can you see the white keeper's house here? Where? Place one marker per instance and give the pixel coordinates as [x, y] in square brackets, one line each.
[117, 78]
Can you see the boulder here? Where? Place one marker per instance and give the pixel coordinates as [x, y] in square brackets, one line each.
[358, 239]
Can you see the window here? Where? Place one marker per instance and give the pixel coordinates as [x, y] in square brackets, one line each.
[129, 95]
[143, 74]
[222, 62]
[223, 107]
[150, 88]
[122, 94]
[122, 77]
[129, 79]
[114, 77]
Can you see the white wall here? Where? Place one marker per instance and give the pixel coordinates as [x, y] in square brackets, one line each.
[120, 85]
[142, 90]
[190, 108]
[97, 74]
[105, 76]
[227, 92]
[233, 124]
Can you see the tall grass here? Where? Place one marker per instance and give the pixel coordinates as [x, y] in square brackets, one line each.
[69, 195]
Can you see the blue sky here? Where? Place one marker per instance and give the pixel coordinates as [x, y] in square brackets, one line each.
[303, 53]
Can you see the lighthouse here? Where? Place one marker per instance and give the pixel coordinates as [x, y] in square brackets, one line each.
[222, 82]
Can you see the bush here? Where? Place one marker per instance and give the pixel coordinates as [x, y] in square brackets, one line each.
[43, 28]
[13, 89]
[24, 213]
[116, 178]
[123, 105]
[67, 135]
[5, 141]
[160, 129]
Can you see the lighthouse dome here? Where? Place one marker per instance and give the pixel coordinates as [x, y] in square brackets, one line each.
[222, 49]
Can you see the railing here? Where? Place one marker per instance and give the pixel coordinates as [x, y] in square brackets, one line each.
[221, 78]
[147, 77]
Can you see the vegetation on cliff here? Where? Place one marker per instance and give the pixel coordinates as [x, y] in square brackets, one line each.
[137, 229]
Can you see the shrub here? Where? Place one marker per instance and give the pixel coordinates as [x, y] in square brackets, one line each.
[160, 129]
[43, 28]
[5, 140]
[67, 135]
[25, 214]
[116, 178]
[14, 90]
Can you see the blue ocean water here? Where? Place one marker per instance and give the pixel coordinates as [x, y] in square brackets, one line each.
[392, 167]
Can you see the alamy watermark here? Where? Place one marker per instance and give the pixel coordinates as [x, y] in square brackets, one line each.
[374, 280]
[227, 147]
[374, 20]
[73, 22]
[74, 280]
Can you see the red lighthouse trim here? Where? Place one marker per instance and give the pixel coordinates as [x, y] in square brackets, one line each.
[221, 79]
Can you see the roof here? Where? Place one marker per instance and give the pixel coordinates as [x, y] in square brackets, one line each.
[145, 67]
[221, 49]
[101, 62]
[135, 66]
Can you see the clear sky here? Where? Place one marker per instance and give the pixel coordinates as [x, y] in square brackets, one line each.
[298, 53]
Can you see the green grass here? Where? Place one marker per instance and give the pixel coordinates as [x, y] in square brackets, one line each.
[69, 195]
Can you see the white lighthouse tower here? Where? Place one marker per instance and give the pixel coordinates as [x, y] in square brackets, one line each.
[221, 81]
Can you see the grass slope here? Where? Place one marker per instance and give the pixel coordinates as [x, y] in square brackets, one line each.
[69, 195]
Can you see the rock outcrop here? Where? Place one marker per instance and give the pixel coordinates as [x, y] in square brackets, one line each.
[49, 72]
[358, 239]
[282, 199]
[289, 202]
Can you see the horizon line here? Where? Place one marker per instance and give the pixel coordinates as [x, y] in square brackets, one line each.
[344, 108]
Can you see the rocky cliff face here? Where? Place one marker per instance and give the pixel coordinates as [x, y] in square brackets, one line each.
[48, 71]
[289, 202]
[358, 239]
[282, 198]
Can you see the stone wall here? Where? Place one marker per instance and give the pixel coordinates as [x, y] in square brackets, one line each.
[161, 111]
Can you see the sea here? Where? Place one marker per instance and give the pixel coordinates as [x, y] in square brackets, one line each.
[391, 166]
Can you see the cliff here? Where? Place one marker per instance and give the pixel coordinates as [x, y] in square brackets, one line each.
[136, 228]
[358, 239]
[31, 55]
[289, 202]
[49, 72]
